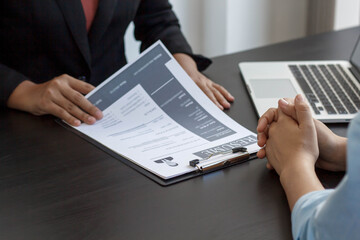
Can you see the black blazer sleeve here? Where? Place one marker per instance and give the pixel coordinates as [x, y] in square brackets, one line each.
[155, 20]
[9, 80]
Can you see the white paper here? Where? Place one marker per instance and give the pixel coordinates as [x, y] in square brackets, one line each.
[156, 117]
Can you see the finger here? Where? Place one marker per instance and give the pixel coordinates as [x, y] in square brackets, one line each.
[269, 166]
[261, 153]
[267, 118]
[261, 139]
[281, 114]
[61, 113]
[282, 117]
[272, 129]
[266, 132]
[289, 100]
[211, 95]
[76, 97]
[224, 92]
[79, 100]
[74, 110]
[287, 107]
[78, 85]
[220, 98]
[303, 113]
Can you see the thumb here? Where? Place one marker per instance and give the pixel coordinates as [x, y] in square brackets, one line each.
[287, 106]
[303, 113]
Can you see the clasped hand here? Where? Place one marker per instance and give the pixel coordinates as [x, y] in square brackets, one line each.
[291, 138]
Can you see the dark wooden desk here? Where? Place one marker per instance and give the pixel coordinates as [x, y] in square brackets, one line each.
[55, 185]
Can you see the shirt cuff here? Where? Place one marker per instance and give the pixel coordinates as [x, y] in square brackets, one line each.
[174, 47]
[202, 62]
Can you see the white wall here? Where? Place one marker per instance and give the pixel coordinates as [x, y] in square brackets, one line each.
[214, 28]
[252, 24]
[226, 26]
[190, 13]
[347, 14]
[217, 27]
[131, 45]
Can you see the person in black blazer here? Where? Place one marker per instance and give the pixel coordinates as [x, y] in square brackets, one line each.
[48, 59]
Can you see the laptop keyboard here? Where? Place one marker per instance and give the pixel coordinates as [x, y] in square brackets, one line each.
[329, 85]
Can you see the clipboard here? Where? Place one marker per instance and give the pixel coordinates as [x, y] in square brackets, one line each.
[244, 157]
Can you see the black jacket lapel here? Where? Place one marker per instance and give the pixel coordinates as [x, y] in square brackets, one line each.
[75, 19]
[102, 20]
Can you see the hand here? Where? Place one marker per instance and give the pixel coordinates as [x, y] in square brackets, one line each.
[218, 94]
[292, 144]
[61, 97]
[291, 148]
[332, 148]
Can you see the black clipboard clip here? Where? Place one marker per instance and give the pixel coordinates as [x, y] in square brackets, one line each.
[207, 165]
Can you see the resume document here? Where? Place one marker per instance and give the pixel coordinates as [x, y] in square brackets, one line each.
[156, 117]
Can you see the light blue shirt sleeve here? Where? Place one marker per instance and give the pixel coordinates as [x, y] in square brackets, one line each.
[333, 214]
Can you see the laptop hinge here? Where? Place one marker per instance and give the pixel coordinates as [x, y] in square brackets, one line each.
[356, 73]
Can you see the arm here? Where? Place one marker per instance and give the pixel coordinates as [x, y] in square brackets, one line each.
[316, 213]
[9, 80]
[333, 214]
[155, 20]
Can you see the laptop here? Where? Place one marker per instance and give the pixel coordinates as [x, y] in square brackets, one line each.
[331, 88]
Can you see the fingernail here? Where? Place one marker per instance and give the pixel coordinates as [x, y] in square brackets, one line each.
[77, 123]
[98, 114]
[226, 104]
[91, 120]
[284, 101]
[300, 98]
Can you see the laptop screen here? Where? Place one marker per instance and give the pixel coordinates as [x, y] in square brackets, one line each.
[355, 58]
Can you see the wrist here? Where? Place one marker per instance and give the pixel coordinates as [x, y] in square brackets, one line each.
[333, 157]
[187, 63]
[341, 151]
[297, 170]
[298, 162]
[17, 99]
[298, 181]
